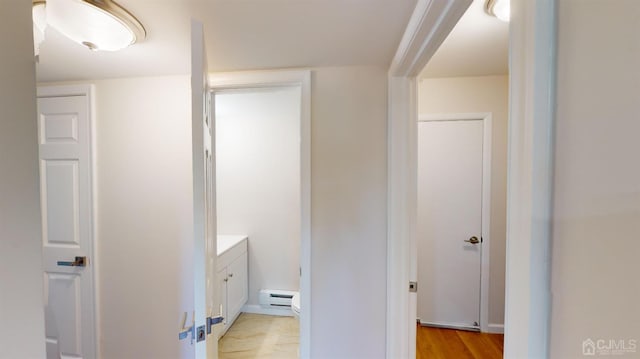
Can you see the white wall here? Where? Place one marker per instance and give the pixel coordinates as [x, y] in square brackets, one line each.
[144, 189]
[143, 128]
[481, 94]
[595, 266]
[258, 181]
[21, 297]
[348, 212]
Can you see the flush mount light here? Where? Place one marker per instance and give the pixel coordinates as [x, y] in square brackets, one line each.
[100, 25]
[498, 8]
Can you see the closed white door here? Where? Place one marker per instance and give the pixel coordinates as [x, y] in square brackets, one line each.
[65, 188]
[449, 222]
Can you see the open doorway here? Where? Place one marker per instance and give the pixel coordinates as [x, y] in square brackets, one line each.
[462, 96]
[263, 193]
[258, 209]
[530, 133]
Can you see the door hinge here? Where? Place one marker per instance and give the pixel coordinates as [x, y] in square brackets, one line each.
[413, 287]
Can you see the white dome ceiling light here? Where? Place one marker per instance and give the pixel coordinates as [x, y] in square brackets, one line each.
[100, 25]
[499, 8]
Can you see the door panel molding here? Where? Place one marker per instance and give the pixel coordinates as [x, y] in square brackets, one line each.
[67, 143]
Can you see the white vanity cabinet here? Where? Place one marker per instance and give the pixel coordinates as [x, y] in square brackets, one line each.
[233, 279]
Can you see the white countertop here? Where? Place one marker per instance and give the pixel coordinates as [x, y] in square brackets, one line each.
[227, 241]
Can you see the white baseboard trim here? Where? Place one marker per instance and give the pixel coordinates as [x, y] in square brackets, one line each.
[495, 328]
[258, 309]
[450, 326]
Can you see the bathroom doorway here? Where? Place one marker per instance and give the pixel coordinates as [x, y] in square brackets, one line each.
[262, 179]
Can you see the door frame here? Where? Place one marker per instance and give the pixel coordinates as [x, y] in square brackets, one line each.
[44, 91]
[532, 65]
[485, 257]
[288, 78]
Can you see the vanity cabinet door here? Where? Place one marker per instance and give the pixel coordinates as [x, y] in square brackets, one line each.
[222, 290]
[237, 285]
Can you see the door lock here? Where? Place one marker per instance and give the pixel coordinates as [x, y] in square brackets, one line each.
[200, 334]
[413, 287]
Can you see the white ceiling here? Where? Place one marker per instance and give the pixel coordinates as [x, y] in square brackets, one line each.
[477, 46]
[240, 35]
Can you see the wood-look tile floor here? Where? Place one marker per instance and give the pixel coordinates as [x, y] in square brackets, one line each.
[435, 343]
[259, 336]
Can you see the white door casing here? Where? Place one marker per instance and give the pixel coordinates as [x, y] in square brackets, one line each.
[204, 212]
[66, 190]
[532, 97]
[430, 23]
[454, 182]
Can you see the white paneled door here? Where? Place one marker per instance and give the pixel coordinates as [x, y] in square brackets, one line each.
[449, 223]
[206, 305]
[64, 136]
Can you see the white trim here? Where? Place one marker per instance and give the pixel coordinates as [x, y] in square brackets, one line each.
[258, 309]
[487, 144]
[485, 271]
[64, 91]
[429, 25]
[495, 328]
[530, 171]
[87, 91]
[460, 326]
[401, 224]
[95, 222]
[302, 78]
[256, 79]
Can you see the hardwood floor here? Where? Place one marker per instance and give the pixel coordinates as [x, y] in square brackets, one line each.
[435, 343]
[255, 336]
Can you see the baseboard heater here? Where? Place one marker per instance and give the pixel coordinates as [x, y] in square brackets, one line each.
[274, 298]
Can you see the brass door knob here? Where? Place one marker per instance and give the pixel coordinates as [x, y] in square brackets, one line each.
[472, 240]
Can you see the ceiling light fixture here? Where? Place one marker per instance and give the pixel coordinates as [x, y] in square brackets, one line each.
[499, 8]
[100, 25]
